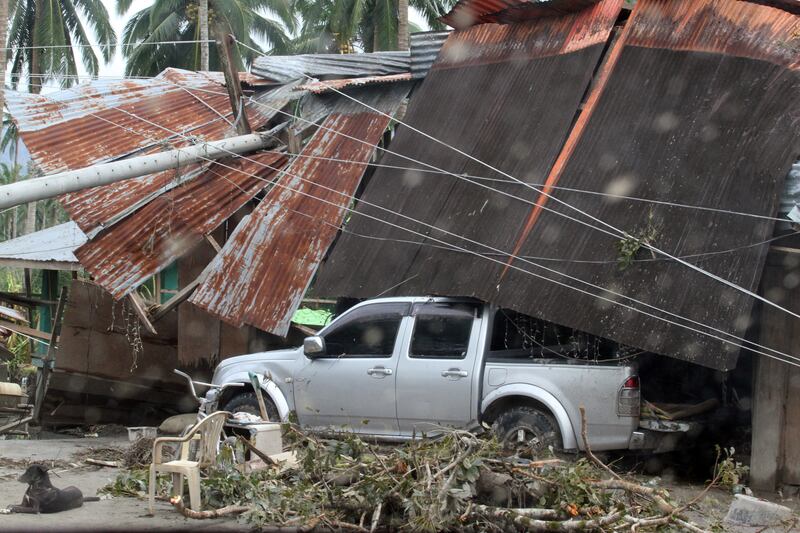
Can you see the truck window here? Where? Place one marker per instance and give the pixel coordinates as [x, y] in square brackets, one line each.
[441, 331]
[369, 331]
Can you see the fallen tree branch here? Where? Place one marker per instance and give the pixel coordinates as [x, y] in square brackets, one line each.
[543, 514]
[553, 525]
[620, 484]
[100, 462]
[261, 455]
[177, 502]
[588, 448]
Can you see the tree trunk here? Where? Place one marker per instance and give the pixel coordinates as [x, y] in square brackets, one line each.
[35, 82]
[402, 24]
[202, 16]
[3, 38]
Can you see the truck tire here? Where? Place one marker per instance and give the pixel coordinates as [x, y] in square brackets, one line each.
[248, 403]
[527, 431]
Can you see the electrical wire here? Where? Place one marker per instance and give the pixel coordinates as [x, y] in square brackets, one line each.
[502, 253]
[437, 171]
[542, 192]
[105, 45]
[784, 357]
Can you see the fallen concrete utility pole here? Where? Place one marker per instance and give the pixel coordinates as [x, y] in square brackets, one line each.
[54, 185]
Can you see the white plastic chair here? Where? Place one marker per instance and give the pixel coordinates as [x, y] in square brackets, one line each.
[207, 432]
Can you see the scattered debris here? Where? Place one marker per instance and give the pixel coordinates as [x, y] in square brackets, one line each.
[459, 481]
[753, 512]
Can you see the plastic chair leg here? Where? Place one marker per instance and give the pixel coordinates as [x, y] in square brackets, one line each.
[177, 484]
[151, 488]
[193, 478]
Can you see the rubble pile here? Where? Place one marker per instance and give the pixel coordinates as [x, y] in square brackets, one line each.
[459, 481]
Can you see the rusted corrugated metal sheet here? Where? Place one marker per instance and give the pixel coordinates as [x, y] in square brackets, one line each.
[703, 112]
[266, 266]
[126, 255]
[319, 87]
[104, 121]
[468, 13]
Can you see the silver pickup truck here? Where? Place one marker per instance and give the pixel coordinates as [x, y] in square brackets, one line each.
[398, 368]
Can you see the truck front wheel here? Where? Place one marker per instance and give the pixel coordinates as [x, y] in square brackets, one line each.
[527, 431]
[248, 403]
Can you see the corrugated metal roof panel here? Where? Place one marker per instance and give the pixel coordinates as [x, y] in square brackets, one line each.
[700, 122]
[425, 48]
[266, 266]
[51, 245]
[144, 243]
[104, 121]
[468, 13]
[321, 66]
[319, 87]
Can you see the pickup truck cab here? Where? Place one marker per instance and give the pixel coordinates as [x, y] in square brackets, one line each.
[399, 368]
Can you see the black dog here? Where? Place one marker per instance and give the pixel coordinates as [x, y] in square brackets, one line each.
[43, 497]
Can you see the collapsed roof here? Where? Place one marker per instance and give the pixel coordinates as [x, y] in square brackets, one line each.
[689, 104]
[694, 103]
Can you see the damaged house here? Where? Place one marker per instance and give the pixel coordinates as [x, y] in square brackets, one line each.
[618, 172]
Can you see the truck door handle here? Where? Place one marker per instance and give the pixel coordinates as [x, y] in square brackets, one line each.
[454, 373]
[380, 370]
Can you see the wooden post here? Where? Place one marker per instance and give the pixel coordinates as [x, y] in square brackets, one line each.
[49, 360]
[226, 44]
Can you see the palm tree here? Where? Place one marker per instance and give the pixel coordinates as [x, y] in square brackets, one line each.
[177, 20]
[42, 35]
[341, 26]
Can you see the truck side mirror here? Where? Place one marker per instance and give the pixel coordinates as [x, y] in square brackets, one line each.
[314, 347]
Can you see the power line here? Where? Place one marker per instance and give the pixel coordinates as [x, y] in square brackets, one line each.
[569, 189]
[105, 45]
[622, 233]
[280, 172]
[439, 171]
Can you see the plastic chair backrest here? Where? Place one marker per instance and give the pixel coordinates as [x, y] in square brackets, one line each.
[209, 429]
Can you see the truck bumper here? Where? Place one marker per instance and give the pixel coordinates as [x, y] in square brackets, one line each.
[661, 436]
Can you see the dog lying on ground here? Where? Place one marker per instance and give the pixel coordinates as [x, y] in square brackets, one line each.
[43, 497]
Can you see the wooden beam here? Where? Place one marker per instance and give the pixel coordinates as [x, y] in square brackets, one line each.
[21, 299]
[175, 301]
[46, 369]
[226, 44]
[213, 242]
[141, 312]
[25, 330]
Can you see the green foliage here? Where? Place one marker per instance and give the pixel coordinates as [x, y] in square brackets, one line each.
[177, 20]
[57, 24]
[729, 472]
[338, 26]
[134, 483]
[629, 246]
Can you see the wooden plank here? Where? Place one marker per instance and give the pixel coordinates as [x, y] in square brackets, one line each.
[791, 430]
[198, 331]
[141, 312]
[45, 371]
[180, 297]
[772, 428]
[226, 44]
[21, 299]
[25, 330]
[213, 242]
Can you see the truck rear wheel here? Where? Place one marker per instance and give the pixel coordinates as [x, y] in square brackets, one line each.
[527, 431]
[248, 403]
